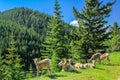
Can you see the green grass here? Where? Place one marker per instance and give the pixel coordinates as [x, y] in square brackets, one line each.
[101, 72]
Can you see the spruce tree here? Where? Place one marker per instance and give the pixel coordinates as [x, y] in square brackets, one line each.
[115, 30]
[2, 66]
[92, 31]
[114, 42]
[55, 44]
[12, 63]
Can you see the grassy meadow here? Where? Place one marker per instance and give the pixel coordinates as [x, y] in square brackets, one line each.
[101, 72]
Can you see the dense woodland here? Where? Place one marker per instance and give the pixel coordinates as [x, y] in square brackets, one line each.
[26, 34]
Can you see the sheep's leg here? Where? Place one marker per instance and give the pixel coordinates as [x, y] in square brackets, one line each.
[63, 69]
[94, 62]
[49, 71]
[108, 59]
[37, 73]
[99, 61]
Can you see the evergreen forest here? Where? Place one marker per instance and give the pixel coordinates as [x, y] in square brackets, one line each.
[26, 34]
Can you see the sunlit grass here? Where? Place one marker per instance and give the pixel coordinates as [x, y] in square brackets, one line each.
[101, 72]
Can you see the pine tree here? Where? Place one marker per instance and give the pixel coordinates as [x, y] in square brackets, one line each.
[114, 42]
[75, 51]
[92, 30]
[115, 30]
[56, 43]
[13, 68]
[2, 67]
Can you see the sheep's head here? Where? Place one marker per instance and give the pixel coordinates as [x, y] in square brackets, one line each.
[62, 62]
[35, 60]
[71, 61]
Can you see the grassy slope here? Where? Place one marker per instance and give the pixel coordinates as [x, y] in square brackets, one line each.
[102, 72]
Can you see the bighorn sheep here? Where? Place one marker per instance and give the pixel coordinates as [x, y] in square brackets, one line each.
[86, 65]
[45, 63]
[66, 65]
[105, 56]
[71, 61]
[99, 57]
[77, 65]
[95, 57]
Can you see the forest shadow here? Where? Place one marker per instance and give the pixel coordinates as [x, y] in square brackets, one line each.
[99, 68]
[75, 71]
[55, 76]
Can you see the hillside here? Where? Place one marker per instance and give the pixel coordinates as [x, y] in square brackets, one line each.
[29, 29]
[101, 72]
[27, 17]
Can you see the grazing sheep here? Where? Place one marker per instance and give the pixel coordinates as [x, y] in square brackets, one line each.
[40, 65]
[95, 57]
[98, 57]
[66, 65]
[105, 56]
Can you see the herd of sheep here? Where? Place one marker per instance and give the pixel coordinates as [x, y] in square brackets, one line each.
[69, 65]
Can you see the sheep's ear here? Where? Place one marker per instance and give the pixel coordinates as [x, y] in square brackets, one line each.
[33, 59]
[63, 60]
